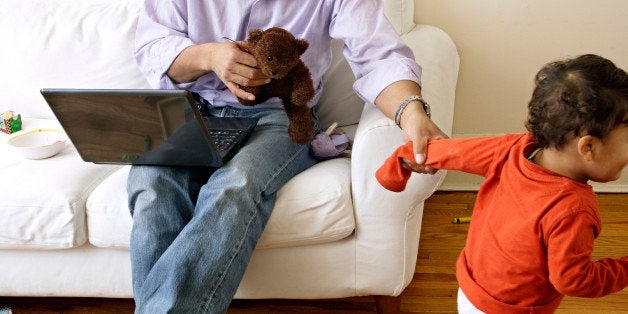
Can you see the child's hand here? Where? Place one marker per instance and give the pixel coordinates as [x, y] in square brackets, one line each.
[416, 167]
[398, 167]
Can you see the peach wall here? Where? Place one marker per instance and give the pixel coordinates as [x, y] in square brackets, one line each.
[502, 44]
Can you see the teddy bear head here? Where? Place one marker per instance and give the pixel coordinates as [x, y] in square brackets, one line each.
[276, 50]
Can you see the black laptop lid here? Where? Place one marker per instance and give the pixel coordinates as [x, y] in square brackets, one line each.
[150, 127]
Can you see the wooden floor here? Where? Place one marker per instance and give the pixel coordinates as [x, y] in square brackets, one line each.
[433, 289]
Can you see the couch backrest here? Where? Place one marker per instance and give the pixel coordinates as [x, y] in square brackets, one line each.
[339, 103]
[401, 14]
[65, 43]
[77, 44]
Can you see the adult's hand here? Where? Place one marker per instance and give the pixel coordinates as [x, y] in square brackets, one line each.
[416, 125]
[419, 129]
[230, 61]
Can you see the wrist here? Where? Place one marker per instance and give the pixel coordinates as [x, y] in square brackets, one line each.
[404, 104]
[205, 54]
[191, 63]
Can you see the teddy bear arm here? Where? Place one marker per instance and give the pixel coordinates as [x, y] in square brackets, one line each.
[301, 127]
[302, 86]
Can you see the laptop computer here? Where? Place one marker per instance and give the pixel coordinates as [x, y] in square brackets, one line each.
[145, 127]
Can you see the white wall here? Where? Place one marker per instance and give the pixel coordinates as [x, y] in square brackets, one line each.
[503, 43]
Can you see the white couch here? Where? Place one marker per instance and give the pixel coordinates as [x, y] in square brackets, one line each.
[64, 223]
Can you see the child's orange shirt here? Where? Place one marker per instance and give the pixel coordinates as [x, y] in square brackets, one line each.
[532, 230]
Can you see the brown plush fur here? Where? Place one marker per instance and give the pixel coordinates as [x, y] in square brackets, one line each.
[278, 54]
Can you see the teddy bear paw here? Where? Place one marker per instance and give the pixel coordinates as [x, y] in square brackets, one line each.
[301, 133]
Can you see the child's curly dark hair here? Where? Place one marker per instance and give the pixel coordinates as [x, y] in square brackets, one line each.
[584, 95]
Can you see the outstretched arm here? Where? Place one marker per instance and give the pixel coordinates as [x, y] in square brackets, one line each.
[416, 125]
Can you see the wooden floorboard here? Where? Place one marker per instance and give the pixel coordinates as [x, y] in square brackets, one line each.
[433, 288]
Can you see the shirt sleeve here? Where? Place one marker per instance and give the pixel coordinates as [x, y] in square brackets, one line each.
[377, 55]
[478, 155]
[160, 37]
[572, 272]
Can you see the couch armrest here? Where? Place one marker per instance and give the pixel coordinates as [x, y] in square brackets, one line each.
[388, 224]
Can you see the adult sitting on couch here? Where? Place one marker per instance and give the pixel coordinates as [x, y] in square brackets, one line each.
[195, 229]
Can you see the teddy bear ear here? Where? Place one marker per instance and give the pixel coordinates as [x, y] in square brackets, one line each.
[301, 46]
[255, 36]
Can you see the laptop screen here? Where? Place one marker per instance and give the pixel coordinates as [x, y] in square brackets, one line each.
[155, 127]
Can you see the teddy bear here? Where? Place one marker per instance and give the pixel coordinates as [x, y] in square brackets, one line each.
[278, 55]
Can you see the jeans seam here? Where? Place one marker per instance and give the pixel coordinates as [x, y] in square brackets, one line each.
[222, 275]
[283, 167]
[228, 266]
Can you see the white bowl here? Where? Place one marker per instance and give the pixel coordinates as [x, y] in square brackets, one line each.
[39, 143]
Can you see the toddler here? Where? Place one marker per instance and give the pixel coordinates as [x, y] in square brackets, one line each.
[536, 217]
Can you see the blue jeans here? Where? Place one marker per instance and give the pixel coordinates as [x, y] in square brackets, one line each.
[194, 229]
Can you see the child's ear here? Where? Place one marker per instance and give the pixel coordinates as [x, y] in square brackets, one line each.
[587, 147]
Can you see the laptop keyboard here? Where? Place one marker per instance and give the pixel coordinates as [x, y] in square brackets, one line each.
[224, 138]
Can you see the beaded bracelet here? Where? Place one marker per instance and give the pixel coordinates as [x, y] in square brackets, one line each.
[405, 103]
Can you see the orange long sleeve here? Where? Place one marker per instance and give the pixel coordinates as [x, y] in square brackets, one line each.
[391, 175]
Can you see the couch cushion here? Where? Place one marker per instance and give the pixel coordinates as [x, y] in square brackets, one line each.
[313, 207]
[321, 213]
[71, 43]
[42, 202]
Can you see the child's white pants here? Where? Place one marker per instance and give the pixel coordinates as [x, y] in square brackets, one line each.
[465, 306]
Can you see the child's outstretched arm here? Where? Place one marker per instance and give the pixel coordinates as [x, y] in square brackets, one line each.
[472, 155]
[392, 175]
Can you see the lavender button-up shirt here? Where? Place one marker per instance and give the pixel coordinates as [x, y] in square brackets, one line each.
[374, 51]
